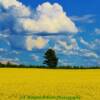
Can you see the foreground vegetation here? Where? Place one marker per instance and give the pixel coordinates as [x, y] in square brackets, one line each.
[16, 83]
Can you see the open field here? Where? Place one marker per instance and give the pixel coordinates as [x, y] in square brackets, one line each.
[16, 83]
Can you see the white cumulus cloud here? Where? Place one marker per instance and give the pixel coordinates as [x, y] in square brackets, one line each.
[91, 54]
[48, 18]
[97, 30]
[65, 45]
[84, 19]
[38, 43]
[16, 8]
[84, 42]
[9, 3]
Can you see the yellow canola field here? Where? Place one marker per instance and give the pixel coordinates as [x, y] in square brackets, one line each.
[27, 84]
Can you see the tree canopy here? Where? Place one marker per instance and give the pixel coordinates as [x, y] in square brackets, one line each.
[51, 59]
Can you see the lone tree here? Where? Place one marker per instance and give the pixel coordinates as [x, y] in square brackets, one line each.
[50, 58]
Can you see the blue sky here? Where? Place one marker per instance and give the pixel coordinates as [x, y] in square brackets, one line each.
[70, 27]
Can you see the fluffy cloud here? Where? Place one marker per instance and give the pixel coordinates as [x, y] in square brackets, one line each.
[91, 54]
[9, 3]
[38, 43]
[74, 49]
[15, 7]
[20, 27]
[92, 45]
[35, 57]
[97, 30]
[2, 50]
[48, 18]
[17, 20]
[84, 42]
[65, 45]
[84, 19]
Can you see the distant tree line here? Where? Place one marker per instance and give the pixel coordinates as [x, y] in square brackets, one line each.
[9, 65]
[51, 62]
